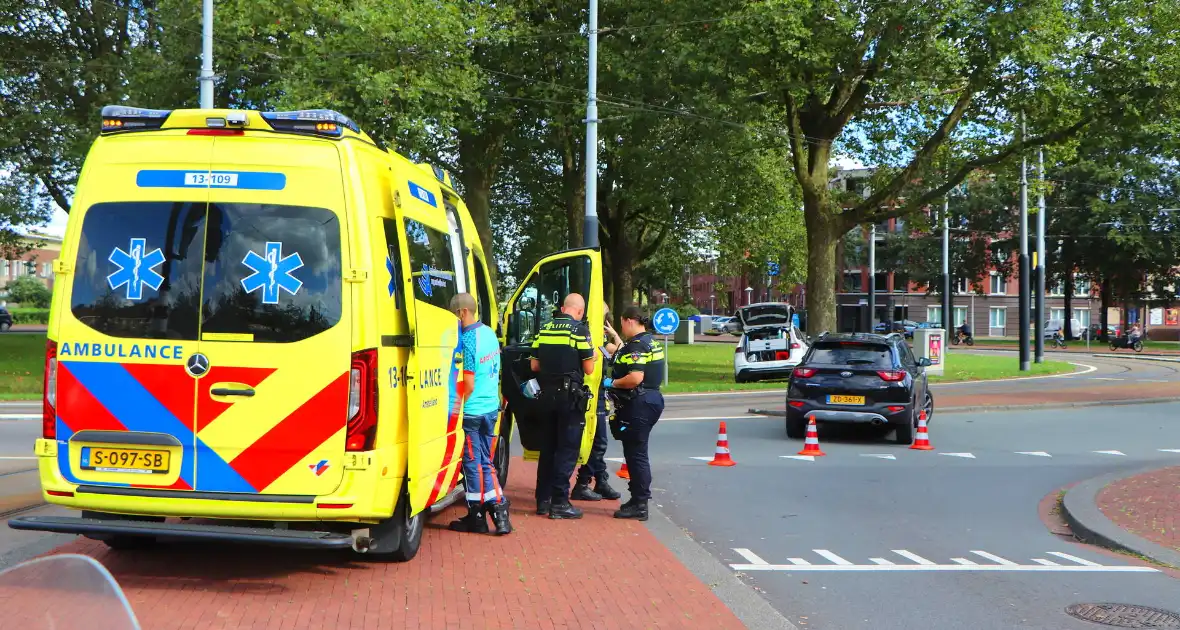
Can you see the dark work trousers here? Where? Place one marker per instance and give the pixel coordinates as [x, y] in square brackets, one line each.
[595, 467]
[560, 444]
[640, 415]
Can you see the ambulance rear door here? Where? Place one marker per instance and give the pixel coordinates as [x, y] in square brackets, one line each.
[535, 302]
[276, 330]
[434, 270]
[125, 315]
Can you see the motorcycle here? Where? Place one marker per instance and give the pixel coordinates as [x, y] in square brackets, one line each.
[1125, 341]
[959, 337]
[64, 592]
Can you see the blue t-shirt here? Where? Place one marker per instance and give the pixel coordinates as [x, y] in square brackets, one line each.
[481, 357]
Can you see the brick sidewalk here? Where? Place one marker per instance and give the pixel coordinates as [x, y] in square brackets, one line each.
[595, 573]
[1147, 505]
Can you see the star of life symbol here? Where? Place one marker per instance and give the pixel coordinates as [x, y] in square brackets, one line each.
[389, 267]
[272, 273]
[424, 281]
[136, 269]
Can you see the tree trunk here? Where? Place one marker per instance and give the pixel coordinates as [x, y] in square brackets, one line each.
[573, 189]
[822, 234]
[479, 157]
[1068, 323]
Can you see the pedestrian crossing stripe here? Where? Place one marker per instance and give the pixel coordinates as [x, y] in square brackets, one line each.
[1063, 563]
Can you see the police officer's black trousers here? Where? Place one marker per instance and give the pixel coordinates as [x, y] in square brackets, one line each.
[639, 416]
[561, 441]
[595, 467]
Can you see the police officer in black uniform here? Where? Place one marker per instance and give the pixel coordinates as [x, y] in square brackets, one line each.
[635, 382]
[595, 466]
[562, 355]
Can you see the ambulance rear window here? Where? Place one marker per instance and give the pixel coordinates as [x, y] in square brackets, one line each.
[272, 272]
[138, 269]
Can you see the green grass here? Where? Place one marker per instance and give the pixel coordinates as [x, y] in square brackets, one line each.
[709, 368]
[22, 362]
[986, 367]
[1095, 345]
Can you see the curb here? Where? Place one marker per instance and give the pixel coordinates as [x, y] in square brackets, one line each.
[1090, 525]
[1046, 406]
[1139, 357]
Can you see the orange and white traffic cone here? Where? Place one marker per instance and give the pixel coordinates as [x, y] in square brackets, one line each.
[623, 472]
[721, 455]
[922, 442]
[811, 442]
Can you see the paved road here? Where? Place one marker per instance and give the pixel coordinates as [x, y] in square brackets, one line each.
[877, 535]
[1092, 372]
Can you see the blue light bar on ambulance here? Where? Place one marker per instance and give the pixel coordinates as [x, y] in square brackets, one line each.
[120, 118]
[322, 122]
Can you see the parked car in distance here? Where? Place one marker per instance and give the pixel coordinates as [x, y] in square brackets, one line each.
[904, 326]
[5, 319]
[717, 325]
[859, 378]
[1052, 326]
[1095, 331]
[770, 345]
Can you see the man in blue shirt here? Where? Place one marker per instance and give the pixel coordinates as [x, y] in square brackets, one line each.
[480, 391]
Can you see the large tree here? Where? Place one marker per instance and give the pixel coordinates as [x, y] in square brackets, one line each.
[931, 91]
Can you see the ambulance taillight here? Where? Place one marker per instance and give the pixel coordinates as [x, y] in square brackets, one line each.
[49, 396]
[362, 401]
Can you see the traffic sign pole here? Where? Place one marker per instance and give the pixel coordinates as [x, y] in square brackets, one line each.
[665, 322]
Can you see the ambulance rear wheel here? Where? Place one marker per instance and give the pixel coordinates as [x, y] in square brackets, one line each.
[408, 532]
[503, 458]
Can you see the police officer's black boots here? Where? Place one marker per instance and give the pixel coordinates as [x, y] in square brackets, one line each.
[633, 510]
[475, 522]
[499, 512]
[543, 507]
[603, 489]
[563, 509]
[582, 491]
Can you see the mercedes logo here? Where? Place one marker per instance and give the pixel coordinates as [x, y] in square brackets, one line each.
[197, 365]
[845, 374]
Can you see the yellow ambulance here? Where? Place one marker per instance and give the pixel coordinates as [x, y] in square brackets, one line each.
[250, 337]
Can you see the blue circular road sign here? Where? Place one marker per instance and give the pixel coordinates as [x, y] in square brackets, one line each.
[665, 321]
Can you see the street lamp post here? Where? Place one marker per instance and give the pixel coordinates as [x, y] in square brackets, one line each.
[590, 225]
[947, 319]
[206, 76]
[1024, 275]
[749, 295]
[1039, 267]
[872, 301]
[712, 297]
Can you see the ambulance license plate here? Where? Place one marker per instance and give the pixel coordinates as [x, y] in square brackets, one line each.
[839, 399]
[124, 460]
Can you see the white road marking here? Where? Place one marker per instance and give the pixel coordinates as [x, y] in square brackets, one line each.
[806, 458]
[733, 417]
[832, 557]
[703, 459]
[750, 556]
[878, 455]
[1066, 556]
[1111, 453]
[1088, 369]
[1169, 450]
[963, 455]
[756, 563]
[1029, 568]
[1105, 378]
[747, 392]
[19, 416]
[994, 558]
[17, 457]
[1034, 453]
[912, 556]
[617, 460]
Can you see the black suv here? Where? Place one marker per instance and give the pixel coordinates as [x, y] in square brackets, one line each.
[859, 378]
[5, 319]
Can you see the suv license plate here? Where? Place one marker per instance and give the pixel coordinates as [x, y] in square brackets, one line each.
[846, 400]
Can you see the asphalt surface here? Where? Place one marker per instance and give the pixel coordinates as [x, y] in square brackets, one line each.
[1091, 371]
[881, 536]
